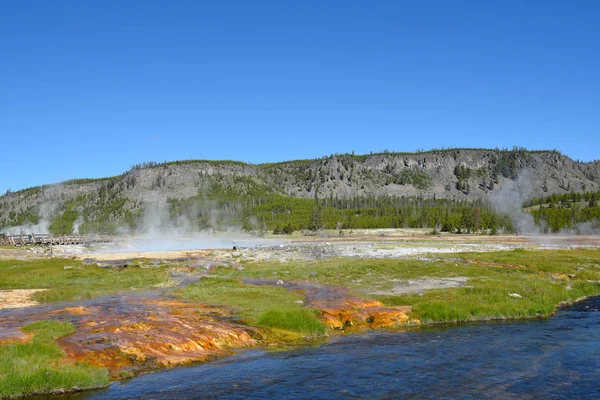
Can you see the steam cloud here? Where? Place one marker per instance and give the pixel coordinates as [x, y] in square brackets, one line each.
[159, 231]
[509, 200]
[46, 210]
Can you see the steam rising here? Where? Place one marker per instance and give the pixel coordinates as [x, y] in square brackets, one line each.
[46, 211]
[509, 200]
[159, 231]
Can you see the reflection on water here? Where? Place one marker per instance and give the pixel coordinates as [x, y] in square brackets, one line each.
[558, 358]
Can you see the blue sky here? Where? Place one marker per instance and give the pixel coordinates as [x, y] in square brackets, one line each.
[89, 88]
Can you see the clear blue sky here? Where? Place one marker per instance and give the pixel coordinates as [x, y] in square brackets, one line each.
[89, 88]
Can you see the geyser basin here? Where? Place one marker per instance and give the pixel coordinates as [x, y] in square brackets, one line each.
[195, 241]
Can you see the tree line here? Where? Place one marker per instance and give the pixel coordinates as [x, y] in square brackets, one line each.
[574, 212]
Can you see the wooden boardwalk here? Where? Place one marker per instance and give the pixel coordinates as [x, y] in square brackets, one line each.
[34, 239]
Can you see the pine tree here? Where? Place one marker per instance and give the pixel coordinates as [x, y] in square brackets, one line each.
[316, 222]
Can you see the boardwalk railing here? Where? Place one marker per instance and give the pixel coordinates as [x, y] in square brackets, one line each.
[49, 239]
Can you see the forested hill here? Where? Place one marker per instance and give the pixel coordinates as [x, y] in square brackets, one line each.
[199, 193]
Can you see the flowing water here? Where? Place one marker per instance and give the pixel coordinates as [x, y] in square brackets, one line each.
[553, 358]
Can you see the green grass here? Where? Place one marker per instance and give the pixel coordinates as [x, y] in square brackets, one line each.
[303, 320]
[361, 275]
[489, 299]
[577, 261]
[267, 306]
[486, 295]
[80, 282]
[36, 367]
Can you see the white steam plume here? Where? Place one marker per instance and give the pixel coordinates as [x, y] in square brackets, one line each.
[509, 200]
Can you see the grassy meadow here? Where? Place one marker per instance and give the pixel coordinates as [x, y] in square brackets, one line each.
[542, 278]
[76, 283]
[265, 306]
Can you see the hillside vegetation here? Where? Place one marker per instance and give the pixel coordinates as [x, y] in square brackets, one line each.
[447, 189]
[574, 212]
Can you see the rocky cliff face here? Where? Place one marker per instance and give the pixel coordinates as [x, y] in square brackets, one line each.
[456, 173]
[433, 173]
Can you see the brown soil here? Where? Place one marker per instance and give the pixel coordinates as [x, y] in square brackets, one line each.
[18, 298]
[15, 253]
[168, 255]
